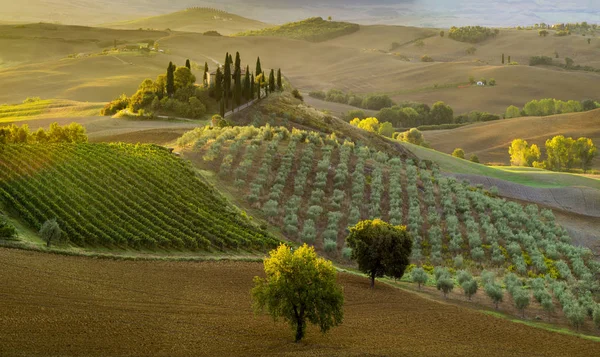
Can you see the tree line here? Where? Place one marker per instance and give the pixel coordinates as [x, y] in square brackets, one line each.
[562, 154]
[550, 106]
[472, 34]
[72, 133]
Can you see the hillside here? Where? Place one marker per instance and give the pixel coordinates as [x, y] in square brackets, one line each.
[314, 187]
[35, 108]
[119, 195]
[194, 20]
[490, 140]
[314, 29]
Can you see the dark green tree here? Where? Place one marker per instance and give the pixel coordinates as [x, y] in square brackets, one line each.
[218, 88]
[247, 85]
[258, 68]
[188, 64]
[380, 248]
[279, 84]
[222, 107]
[503, 58]
[252, 87]
[238, 62]
[272, 81]
[170, 79]
[227, 79]
[205, 78]
[237, 87]
[509, 60]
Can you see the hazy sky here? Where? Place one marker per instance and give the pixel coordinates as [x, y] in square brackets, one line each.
[435, 13]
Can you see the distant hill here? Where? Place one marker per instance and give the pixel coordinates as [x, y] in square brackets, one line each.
[490, 140]
[194, 20]
[314, 29]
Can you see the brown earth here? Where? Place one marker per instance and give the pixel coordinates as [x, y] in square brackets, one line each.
[70, 306]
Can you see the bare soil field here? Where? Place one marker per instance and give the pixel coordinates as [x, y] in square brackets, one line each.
[70, 306]
[490, 140]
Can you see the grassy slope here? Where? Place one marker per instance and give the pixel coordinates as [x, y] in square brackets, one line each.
[525, 176]
[47, 108]
[490, 140]
[194, 20]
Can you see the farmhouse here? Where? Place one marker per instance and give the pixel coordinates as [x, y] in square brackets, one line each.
[480, 83]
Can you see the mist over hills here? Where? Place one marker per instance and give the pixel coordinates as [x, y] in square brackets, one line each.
[429, 13]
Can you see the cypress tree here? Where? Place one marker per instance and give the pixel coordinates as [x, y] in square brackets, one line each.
[251, 84]
[272, 81]
[171, 79]
[238, 62]
[279, 85]
[205, 74]
[508, 59]
[503, 58]
[258, 86]
[222, 108]
[247, 94]
[258, 68]
[188, 64]
[237, 90]
[218, 85]
[227, 79]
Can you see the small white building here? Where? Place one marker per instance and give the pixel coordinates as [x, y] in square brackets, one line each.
[480, 83]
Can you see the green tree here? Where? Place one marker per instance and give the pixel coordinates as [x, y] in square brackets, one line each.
[419, 276]
[512, 112]
[252, 87]
[589, 40]
[543, 33]
[459, 153]
[51, 232]
[503, 58]
[386, 129]
[521, 299]
[494, 292]
[218, 88]
[258, 71]
[413, 136]
[170, 80]
[445, 284]
[521, 154]
[474, 158]
[559, 153]
[299, 287]
[183, 78]
[380, 248]
[509, 62]
[441, 114]
[247, 90]
[227, 80]
[279, 83]
[188, 64]
[569, 62]
[206, 73]
[469, 287]
[585, 151]
[272, 81]
[442, 33]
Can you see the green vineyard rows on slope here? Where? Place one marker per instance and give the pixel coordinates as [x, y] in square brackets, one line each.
[123, 195]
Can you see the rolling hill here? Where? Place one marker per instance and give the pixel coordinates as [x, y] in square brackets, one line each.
[194, 20]
[146, 198]
[314, 30]
[490, 140]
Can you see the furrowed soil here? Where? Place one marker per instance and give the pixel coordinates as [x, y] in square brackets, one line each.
[71, 306]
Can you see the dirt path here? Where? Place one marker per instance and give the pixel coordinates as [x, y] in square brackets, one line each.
[54, 305]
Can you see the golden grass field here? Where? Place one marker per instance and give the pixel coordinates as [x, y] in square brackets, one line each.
[490, 140]
[352, 63]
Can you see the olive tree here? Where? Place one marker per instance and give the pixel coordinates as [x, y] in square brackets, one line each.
[494, 292]
[51, 232]
[380, 248]
[299, 287]
[419, 276]
[470, 287]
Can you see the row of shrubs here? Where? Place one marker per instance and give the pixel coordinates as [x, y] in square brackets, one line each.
[372, 101]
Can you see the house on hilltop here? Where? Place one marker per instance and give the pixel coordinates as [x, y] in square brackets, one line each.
[213, 74]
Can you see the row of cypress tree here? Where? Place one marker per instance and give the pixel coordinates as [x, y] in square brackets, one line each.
[231, 89]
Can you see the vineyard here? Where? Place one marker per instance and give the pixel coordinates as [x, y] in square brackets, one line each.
[121, 195]
[314, 186]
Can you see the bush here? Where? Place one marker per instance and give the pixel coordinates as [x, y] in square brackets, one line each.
[426, 58]
[329, 245]
[211, 33]
[115, 106]
[492, 82]
[355, 113]
[419, 276]
[7, 230]
[540, 60]
[377, 102]
[474, 158]
[297, 95]
[459, 153]
[317, 94]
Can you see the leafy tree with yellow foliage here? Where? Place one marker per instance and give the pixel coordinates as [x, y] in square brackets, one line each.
[299, 287]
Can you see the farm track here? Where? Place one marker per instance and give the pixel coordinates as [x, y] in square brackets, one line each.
[71, 306]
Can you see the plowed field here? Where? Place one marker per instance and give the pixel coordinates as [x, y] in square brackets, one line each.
[70, 306]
